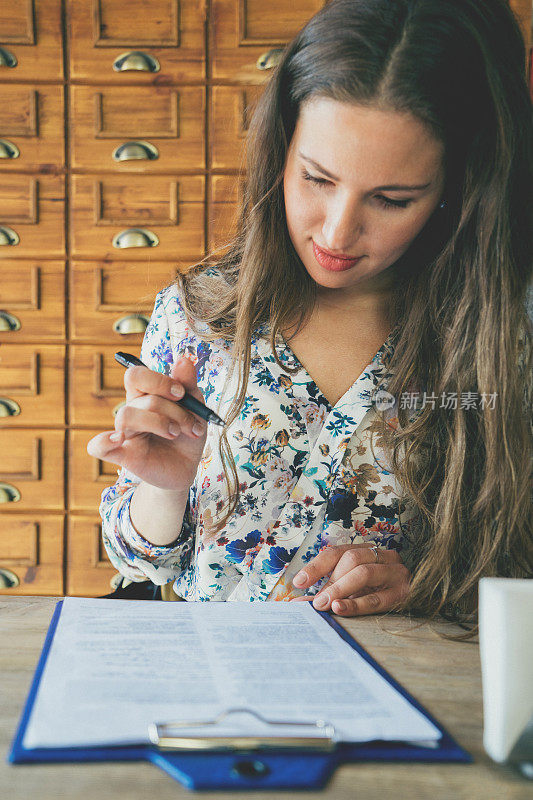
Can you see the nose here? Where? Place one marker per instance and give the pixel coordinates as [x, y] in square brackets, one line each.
[342, 226]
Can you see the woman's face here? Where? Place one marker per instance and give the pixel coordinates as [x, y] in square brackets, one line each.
[350, 211]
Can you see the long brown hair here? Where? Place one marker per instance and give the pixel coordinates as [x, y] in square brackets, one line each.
[460, 296]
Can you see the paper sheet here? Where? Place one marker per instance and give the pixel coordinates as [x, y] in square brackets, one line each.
[115, 666]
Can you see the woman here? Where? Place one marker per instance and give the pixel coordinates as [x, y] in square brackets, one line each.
[382, 257]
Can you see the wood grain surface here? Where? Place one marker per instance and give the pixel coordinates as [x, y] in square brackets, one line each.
[443, 675]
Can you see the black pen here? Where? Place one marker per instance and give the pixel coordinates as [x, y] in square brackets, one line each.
[187, 401]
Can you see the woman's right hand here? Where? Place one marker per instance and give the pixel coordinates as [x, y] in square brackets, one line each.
[157, 440]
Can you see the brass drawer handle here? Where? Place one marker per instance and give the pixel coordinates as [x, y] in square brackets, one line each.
[8, 237]
[270, 59]
[135, 237]
[8, 579]
[118, 407]
[132, 151]
[7, 59]
[9, 493]
[135, 60]
[8, 407]
[133, 323]
[8, 149]
[8, 322]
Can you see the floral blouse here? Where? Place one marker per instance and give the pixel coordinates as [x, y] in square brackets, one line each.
[310, 475]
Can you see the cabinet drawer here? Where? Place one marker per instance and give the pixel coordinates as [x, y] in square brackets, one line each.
[32, 385]
[31, 127]
[232, 109]
[96, 385]
[113, 302]
[89, 570]
[33, 300]
[244, 34]
[167, 37]
[154, 129]
[88, 476]
[168, 211]
[30, 33]
[31, 549]
[32, 216]
[31, 470]
[226, 194]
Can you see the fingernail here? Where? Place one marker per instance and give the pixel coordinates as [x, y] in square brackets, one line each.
[299, 579]
[177, 390]
[339, 605]
[174, 428]
[198, 429]
[117, 436]
[321, 601]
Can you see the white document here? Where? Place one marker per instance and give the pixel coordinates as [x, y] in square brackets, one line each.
[115, 666]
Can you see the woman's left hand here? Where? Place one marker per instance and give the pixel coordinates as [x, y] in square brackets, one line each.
[358, 583]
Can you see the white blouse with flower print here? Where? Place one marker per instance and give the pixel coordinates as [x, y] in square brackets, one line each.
[310, 475]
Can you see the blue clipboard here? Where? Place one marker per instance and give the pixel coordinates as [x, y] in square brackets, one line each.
[254, 769]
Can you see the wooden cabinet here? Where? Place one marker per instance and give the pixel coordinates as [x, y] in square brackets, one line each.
[137, 129]
[136, 43]
[31, 41]
[31, 552]
[33, 301]
[113, 215]
[32, 385]
[122, 132]
[31, 127]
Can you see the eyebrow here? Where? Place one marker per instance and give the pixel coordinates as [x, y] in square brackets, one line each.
[389, 187]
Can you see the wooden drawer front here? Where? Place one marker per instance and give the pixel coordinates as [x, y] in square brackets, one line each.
[32, 385]
[31, 464]
[33, 301]
[113, 302]
[32, 548]
[30, 30]
[140, 118]
[96, 385]
[89, 570]
[232, 109]
[31, 119]
[88, 476]
[244, 33]
[226, 193]
[170, 208]
[32, 208]
[169, 31]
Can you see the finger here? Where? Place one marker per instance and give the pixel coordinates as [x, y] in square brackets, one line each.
[362, 555]
[182, 378]
[320, 565]
[374, 603]
[307, 597]
[184, 372]
[103, 447]
[361, 577]
[131, 420]
[171, 412]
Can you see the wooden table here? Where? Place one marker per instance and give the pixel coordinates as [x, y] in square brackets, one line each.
[444, 676]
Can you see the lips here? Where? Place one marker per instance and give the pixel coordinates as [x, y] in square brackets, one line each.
[333, 263]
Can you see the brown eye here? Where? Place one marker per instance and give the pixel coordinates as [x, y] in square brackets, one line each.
[386, 202]
[318, 181]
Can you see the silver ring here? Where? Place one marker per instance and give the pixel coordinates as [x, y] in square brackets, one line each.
[375, 550]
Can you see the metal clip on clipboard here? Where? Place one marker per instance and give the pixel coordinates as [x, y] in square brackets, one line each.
[159, 734]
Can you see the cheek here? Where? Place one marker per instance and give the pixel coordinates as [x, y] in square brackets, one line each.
[300, 211]
[400, 232]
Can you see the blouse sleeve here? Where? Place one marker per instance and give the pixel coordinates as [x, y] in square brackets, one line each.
[130, 553]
